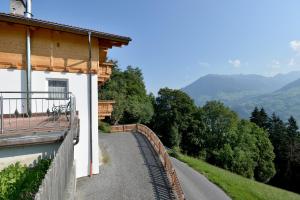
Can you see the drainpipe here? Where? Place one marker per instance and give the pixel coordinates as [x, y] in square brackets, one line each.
[90, 103]
[28, 13]
[28, 57]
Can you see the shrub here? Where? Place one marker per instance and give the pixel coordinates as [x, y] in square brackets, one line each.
[20, 182]
[104, 127]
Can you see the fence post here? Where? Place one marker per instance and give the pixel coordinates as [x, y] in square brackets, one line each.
[2, 113]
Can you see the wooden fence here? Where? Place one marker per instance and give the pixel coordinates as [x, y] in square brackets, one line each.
[160, 150]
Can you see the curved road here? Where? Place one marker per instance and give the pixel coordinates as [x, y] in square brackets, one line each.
[196, 186]
[132, 171]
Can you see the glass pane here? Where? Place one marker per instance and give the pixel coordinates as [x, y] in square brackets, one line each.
[58, 89]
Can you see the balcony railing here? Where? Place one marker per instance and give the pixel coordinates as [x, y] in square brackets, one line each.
[36, 111]
[104, 72]
[105, 108]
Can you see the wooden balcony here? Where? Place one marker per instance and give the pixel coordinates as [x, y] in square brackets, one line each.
[105, 108]
[104, 72]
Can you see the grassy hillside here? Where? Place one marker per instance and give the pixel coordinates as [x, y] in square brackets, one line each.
[238, 187]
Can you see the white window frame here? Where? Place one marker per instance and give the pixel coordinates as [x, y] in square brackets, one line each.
[66, 96]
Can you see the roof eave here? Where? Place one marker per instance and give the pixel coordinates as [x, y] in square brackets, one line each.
[62, 27]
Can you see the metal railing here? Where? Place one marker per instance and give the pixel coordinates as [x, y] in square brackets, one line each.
[59, 173]
[160, 150]
[36, 111]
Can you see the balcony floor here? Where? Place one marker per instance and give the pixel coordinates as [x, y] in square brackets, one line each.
[34, 124]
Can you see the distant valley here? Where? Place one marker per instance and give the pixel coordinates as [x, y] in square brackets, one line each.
[279, 94]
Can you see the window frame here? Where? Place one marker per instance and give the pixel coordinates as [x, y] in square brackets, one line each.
[66, 96]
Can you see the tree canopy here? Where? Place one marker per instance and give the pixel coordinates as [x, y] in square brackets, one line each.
[127, 88]
[214, 133]
[173, 111]
[286, 141]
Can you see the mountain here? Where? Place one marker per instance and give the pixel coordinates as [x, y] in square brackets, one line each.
[294, 84]
[284, 102]
[280, 93]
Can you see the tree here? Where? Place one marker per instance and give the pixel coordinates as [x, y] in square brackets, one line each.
[237, 145]
[193, 139]
[286, 141]
[127, 88]
[173, 111]
[221, 123]
[260, 118]
[265, 168]
[292, 151]
[248, 153]
[255, 116]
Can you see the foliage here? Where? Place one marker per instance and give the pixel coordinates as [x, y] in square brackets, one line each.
[260, 118]
[221, 123]
[238, 187]
[104, 127]
[173, 111]
[193, 139]
[286, 141]
[127, 88]
[214, 133]
[217, 135]
[237, 145]
[20, 182]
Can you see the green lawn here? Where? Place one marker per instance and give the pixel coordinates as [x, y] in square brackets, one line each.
[238, 187]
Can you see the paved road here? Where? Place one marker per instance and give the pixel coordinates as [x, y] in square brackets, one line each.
[196, 186]
[133, 171]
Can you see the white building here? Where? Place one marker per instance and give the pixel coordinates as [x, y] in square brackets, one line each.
[62, 58]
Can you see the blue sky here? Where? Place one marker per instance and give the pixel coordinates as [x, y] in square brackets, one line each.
[175, 42]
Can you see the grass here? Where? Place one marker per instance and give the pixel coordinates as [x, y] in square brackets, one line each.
[105, 157]
[238, 187]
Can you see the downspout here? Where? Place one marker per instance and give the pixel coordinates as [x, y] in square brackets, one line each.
[28, 57]
[90, 103]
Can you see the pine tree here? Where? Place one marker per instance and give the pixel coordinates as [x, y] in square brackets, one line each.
[260, 118]
[277, 135]
[286, 141]
[292, 127]
[291, 150]
[263, 119]
[255, 116]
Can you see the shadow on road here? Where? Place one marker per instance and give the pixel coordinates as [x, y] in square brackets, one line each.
[161, 186]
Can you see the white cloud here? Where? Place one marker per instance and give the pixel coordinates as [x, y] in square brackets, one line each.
[275, 64]
[295, 45]
[235, 63]
[292, 62]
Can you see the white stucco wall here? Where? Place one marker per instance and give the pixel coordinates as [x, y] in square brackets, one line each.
[27, 155]
[15, 80]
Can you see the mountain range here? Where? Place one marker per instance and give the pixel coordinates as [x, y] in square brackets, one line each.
[279, 94]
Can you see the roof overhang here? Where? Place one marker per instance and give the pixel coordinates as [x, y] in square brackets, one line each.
[115, 40]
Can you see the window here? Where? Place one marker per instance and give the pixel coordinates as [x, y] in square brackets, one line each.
[58, 89]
